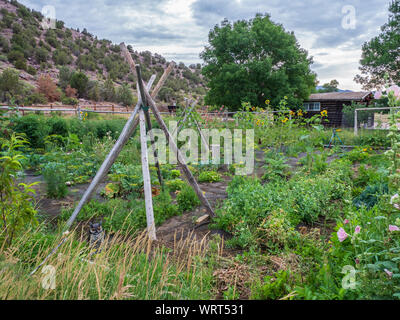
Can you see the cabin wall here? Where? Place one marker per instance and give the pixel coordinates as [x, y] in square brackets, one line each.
[335, 112]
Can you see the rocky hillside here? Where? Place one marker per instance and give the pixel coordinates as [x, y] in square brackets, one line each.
[35, 51]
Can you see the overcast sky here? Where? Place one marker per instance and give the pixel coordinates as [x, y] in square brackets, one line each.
[178, 29]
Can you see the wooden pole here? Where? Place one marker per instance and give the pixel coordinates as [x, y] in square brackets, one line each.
[162, 80]
[148, 123]
[132, 64]
[202, 136]
[187, 113]
[189, 176]
[355, 123]
[108, 162]
[151, 229]
[181, 161]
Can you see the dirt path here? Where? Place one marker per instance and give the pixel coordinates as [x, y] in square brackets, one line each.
[51, 208]
[180, 227]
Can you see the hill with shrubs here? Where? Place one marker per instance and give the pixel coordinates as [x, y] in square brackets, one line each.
[39, 65]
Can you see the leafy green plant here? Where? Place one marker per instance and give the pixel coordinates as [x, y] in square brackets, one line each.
[314, 163]
[187, 199]
[275, 287]
[358, 154]
[175, 184]
[276, 167]
[371, 195]
[55, 176]
[209, 176]
[16, 205]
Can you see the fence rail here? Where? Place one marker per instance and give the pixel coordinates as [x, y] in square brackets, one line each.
[97, 109]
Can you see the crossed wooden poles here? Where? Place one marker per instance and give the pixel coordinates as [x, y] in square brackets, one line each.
[145, 102]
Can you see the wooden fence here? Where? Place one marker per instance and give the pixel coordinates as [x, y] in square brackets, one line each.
[80, 110]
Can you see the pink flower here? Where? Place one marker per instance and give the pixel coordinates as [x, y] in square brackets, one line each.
[342, 235]
[378, 95]
[389, 273]
[395, 89]
[393, 228]
[346, 221]
[357, 230]
[392, 200]
[357, 261]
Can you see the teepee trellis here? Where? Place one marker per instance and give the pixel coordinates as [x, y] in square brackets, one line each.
[141, 116]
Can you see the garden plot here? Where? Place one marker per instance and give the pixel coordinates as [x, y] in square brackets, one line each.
[287, 230]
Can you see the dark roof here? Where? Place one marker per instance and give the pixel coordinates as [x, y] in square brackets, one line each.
[340, 96]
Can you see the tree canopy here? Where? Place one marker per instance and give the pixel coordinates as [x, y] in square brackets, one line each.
[332, 86]
[255, 60]
[381, 55]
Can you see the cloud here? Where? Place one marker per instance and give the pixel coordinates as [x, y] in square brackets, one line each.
[178, 29]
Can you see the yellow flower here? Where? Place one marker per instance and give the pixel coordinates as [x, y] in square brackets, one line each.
[324, 113]
[292, 113]
[267, 102]
[365, 150]
[338, 130]
[285, 120]
[300, 113]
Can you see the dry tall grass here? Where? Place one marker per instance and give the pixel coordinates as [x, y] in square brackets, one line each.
[133, 268]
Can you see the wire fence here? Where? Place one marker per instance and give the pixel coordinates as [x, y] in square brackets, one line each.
[361, 118]
[372, 118]
[79, 110]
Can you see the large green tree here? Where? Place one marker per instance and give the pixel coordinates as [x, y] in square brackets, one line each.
[381, 55]
[255, 60]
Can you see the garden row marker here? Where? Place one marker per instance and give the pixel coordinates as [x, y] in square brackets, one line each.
[109, 161]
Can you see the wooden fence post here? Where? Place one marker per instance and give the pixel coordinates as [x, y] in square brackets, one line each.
[355, 123]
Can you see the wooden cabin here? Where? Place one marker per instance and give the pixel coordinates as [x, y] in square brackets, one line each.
[333, 103]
